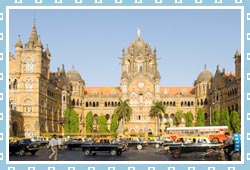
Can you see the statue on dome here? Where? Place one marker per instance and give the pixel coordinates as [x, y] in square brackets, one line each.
[138, 33]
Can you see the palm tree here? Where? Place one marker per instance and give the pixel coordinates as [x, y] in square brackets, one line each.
[123, 111]
[156, 110]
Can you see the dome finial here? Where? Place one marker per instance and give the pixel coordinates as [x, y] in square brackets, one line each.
[138, 33]
[205, 67]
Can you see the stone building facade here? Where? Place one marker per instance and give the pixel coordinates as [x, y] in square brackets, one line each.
[39, 97]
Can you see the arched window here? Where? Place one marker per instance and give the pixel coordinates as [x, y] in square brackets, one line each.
[27, 105]
[87, 104]
[73, 102]
[13, 105]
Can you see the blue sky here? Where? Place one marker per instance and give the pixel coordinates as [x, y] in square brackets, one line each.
[92, 40]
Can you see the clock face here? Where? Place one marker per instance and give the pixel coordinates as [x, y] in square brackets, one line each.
[140, 84]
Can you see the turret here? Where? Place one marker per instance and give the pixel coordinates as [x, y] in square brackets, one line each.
[237, 57]
[19, 46]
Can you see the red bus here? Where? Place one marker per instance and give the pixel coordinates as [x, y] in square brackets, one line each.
[214, 133]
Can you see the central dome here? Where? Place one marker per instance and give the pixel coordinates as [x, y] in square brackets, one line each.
[74, 75]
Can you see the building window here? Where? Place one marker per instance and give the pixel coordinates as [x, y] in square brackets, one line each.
[13, 105]
[27, 106]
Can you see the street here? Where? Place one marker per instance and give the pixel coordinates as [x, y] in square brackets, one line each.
[147, 154]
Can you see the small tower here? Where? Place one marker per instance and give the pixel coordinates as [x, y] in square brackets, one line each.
[237, 57]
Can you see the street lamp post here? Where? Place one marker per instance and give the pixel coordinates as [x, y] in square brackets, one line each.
[210, 115]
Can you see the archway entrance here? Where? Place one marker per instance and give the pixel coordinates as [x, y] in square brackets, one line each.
[15, 129]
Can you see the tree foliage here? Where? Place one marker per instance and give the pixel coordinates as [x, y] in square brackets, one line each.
[89, 122]
[123, 111]
[102, 121]
[216, 118]
[200, 118]
[156, 111]
[114, 123]
[235, 121]
[71, 121]
[225, 119]
[178, 117]
[189, 119]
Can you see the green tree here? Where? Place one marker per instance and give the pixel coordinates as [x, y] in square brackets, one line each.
[72, 121]
[67, 121]
[123, 111]
[156, 111]
[114, 123]
[200, 118]
[235, 121]
[89, 122]
[102, 121]
[189, 119]
[178, 117]
[225, 119]
[216, 118]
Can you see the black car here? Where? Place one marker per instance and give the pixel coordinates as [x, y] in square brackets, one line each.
[193, 144]
[137, 143]
[112, 147]
[70, 144]
[23, 146]
[155, 142]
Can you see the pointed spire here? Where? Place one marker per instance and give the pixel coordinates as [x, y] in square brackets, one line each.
[47, 51]
[19, 42]
[205, 67]
[63, 69]
[33, 37]
[38, 43]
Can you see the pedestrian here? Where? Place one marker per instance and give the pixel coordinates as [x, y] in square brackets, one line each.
[228, 145]
[60, 142]
[53, 144]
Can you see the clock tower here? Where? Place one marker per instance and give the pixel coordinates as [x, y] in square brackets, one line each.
[140, 80]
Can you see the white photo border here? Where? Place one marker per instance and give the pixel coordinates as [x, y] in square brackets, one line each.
[244, 5]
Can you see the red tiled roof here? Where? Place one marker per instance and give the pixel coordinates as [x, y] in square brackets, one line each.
[102, 90]
[177, 90]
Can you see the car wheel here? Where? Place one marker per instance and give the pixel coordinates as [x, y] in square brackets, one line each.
[86, 152]
[113, 152]
[157, 145]
[215, 140]
[139, 147]
[176, 153]
[22, 152]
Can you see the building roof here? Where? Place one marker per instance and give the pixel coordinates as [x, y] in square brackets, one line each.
[102, 91]
[73, 75]
[176, 90]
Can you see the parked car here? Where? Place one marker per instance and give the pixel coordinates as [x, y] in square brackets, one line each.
[136, 142]
[23, 146]
[40, 140]
[192, 144]
[155, 142]
[73, 143]
[113, 147]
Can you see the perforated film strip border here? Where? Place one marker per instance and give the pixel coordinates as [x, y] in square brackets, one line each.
[154, 166]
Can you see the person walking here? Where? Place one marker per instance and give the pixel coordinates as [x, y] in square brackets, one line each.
[228, 145]
[53, 144]
[60, 143]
